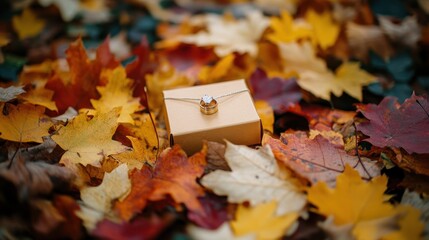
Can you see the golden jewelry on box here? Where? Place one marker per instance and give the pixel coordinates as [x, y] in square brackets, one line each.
[208, 104]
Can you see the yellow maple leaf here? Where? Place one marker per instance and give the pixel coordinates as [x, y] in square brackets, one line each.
[164, 78]
[138, 157]
[209, 74]
[23, 123]
[266, 113]
[368, 214]
[286, 30]
[117, 93]
[40, 96]
[350, 78]
[115, 186]
[262, 221]
[89, 141]
[325, 30]
[364, 201]
[410, 225]
[27, 25]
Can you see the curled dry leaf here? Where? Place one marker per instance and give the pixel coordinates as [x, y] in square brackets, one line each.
[89, 141]
[255, 178]
[23, 123]
[317, 160]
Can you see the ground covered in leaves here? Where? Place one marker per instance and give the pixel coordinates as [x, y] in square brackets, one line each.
[340, 86]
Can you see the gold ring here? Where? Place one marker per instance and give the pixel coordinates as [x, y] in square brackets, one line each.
[208, 105]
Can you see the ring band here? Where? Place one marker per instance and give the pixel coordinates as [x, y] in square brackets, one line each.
[208, 105]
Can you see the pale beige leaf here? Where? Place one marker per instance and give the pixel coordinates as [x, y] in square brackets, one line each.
[115, 186]
[257, 178]
[231, 36]
[408, 27]
[9, 93]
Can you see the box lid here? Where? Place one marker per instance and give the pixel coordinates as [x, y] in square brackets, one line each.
[184, 116]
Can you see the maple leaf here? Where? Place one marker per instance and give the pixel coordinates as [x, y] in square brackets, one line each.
[166, 77]
[115, 185]
[300, 57]
[23, 123]
[325, 30]
[266, 114]
[393, 125]
[255, 177]
[89, 141]
[317, 159]
[136, 200]
[369, 214]
[138, 157]
[175, 175]
[11, 92]
[218, 72]
[237, 36]
[77, 86]
[287, 30]
[39, 95]
[117, 93]
[214, 214]
[262, 221]
[27, 25]
[278, 92]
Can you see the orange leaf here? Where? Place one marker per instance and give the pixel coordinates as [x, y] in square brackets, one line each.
[136, 200]
[175, 175]
[23, 123]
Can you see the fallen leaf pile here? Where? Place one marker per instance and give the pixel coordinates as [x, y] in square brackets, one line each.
[340, 87]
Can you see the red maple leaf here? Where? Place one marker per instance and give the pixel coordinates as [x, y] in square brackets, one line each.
[394, 125]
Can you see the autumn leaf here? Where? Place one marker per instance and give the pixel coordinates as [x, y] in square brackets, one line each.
[285, 29]
[76, 86]
[238, 36]
[325, 30]
[175, 175]
[166, 77]
[41, 96]
[137, 157]
[11, 92]
[89, 141]
[266, 114]
[317, 160]
[349, 78]
[136, 200]
[278, 92]
[255, 178]
[115, 185]
[23, 123]
[393, 125]
[220, 70]
[28, 24]
[117, 93]
[262, 221]
[407, 27]
[215, 212]
[365, 201]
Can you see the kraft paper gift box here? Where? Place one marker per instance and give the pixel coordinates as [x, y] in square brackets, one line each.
[236, 119]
